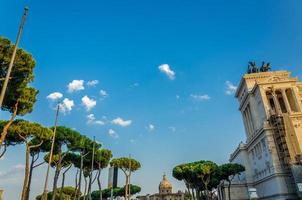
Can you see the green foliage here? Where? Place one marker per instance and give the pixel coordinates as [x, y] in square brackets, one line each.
[102, 158]
[21, 75]
[187, 196]
[83, 145]
[125, 164]
[229, 170]
[206, 169]
[56, 158]
[75, 159]
[64, 136]
[117, 192]
[45, 147]
[67, 193]
[204, 175]
[21, 129]
[11, 139]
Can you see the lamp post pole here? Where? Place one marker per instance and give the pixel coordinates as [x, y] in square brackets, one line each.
[92, 165]
[129, 184]
[44, 195]
[12, 60]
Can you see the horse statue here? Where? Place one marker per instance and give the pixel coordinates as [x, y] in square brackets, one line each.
[265, 67]
[252, 67]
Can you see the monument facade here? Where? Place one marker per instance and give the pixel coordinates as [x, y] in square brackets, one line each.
[271, 106]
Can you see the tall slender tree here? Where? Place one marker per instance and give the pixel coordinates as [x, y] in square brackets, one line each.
[35, 162]
[33, 135]
[205, 171]
[63, 139]
[228, 172]
[102, 159]
[117, 192]
[82, 145]
[200, 178]
[68, 162]
[19, 97]
[128, 166]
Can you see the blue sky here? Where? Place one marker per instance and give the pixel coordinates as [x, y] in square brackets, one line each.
[121, 44]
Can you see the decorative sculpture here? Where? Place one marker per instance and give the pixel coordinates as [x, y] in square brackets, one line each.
[252, 67]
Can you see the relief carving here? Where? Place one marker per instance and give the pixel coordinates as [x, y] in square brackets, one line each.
[275, 79]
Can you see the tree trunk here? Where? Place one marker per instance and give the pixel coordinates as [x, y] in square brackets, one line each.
[55, 181]
[30, 176]
[206, 191]
[6, 127]
[188, 188]
[99, 184]
[193, 195]
[89, 184]
[63, 181]
[229, 190]
[129, 186]
[80, 178]
[4, 149]
[126, 188]
[198, 197]
[25, 183]
[85, 190]
[76, 185]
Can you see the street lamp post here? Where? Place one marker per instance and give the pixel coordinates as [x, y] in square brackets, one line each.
[129, 184]
[92, 165]
[12, 60]
[44, 195]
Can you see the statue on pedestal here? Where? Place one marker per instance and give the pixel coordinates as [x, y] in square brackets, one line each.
[253, 68]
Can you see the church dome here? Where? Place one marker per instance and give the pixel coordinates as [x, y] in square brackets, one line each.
[165, 186]
[165, 183]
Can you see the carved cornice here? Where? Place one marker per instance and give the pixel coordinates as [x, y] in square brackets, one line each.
[265, 78]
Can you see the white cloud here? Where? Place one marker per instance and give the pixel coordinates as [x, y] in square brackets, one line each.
[92, 120]
[88, 103]
[230, 88]
[92, 83]
[66, 105]
[199, 97]
[12, 172]
[150, 127]
[165, 68]
[113, 134]
[54, 96]
[119, 121]
[99, 122]
[103, 93]
[76, 85]
[135, 84]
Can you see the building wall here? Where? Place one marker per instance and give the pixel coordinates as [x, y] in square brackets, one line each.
[237, 191]
[172, 196]
[260, 154]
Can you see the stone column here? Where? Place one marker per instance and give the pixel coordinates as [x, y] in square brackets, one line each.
[288, 108]
[246, 126]
[295, 93]
[278, 109]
